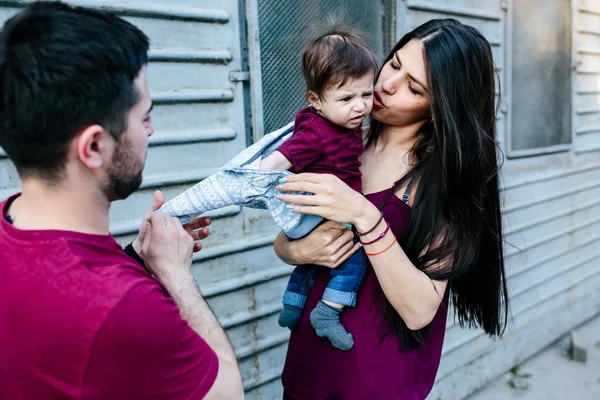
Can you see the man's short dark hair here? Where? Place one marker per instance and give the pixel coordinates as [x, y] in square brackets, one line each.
[333, 58]
[63, 69]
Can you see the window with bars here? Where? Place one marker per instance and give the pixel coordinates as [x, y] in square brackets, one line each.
[541, 77]
[282, 31]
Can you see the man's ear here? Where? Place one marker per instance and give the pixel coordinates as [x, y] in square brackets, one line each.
[94, 146]
[314, 100]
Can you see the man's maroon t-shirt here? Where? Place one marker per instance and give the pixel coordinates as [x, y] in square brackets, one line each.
[319, 146]
[79, 319]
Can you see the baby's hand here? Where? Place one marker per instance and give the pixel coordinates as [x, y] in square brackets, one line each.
[198, 230]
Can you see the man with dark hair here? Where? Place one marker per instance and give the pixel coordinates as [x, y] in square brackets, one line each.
[79, 318]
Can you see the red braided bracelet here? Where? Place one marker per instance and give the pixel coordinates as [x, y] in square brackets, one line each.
[384, 250]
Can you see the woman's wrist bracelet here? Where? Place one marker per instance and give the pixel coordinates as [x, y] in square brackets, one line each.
[373, 228]
[382, 251]
[381, 236]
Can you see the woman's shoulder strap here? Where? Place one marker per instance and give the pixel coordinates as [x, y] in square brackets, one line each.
[394, 188]
[406, 195]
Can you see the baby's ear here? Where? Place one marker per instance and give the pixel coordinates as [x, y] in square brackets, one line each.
[314, 100]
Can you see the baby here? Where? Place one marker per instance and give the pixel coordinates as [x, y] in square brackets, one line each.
[339, 70]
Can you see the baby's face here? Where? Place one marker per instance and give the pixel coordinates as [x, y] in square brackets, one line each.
[349, 104]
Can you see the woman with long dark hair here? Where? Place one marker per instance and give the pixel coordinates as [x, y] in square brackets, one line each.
[429, 221]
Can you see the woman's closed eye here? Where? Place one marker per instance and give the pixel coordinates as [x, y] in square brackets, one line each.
[397, 67]
[412, 90]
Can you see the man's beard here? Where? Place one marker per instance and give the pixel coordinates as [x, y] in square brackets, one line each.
[125, 173]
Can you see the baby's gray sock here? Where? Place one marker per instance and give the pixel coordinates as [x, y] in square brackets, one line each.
[326, 321]
[289, 317]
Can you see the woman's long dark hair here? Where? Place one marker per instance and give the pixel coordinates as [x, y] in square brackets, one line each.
[456, 222]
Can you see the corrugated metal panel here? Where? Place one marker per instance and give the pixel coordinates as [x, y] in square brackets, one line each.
[586, 55]
[553, 219]
[199, 120]
[199, 112]
[552, 225]
[9, 179]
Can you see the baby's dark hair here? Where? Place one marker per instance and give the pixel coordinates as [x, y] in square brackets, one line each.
[333, 58]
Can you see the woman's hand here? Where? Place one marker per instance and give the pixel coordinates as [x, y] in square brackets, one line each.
[329, 245]
[333, 199]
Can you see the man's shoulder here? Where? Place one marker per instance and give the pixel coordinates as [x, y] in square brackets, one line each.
[108, 268]
[86, 274]
[71, 288]
[101, 257]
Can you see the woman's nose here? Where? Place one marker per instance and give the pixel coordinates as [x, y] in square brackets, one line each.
[390, 84]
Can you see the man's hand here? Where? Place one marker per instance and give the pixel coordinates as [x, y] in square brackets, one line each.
[167, 247]
[157, 203]
[197, 228]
